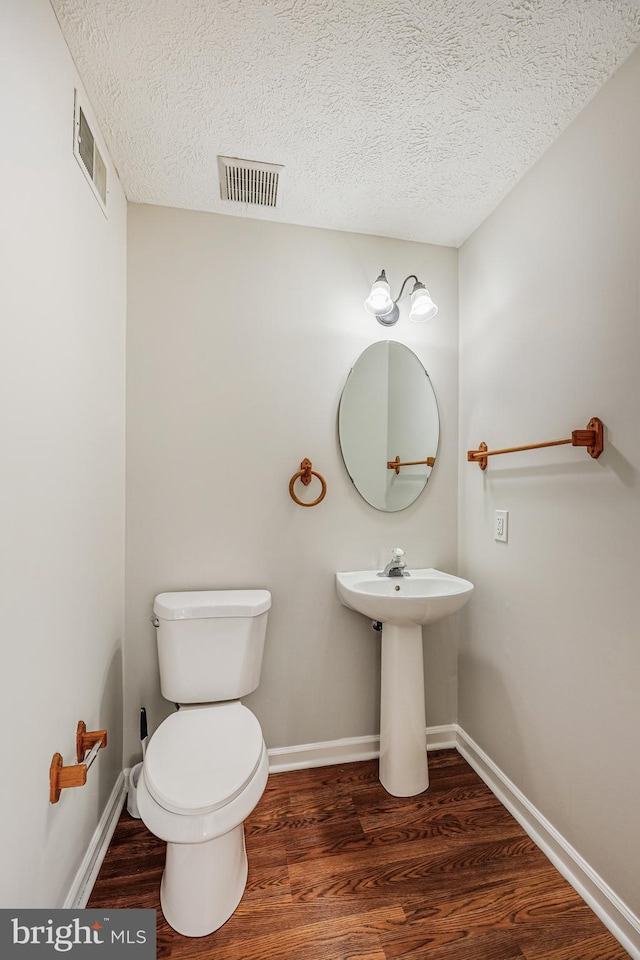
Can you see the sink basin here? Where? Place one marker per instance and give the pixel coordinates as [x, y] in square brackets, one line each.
[424, 596]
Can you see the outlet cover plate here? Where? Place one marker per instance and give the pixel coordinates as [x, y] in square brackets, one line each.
[501, 525]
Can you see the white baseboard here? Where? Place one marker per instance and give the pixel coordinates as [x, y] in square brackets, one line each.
[325, 753]
[347, 750]
[442, 738]
[85, 878]
[615, 914]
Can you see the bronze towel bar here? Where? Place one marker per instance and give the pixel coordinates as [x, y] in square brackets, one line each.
[592, 438]
[397, 463]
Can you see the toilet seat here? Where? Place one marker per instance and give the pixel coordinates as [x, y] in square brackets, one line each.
[200, 759]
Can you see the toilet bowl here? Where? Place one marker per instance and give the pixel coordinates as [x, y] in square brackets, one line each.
[205, 769]
[206, 766]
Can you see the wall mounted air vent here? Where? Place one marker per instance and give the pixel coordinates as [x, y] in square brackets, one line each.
[85, 150]
[247, 181]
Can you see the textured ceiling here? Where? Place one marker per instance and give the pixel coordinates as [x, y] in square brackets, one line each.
[404, 118]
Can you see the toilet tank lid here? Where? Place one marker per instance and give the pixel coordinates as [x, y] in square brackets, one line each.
[203, 604]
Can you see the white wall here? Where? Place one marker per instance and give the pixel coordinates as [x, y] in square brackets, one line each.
[241, 335]
[62, 300]
[549, 337]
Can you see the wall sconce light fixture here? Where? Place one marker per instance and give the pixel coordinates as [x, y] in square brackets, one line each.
[385, 310]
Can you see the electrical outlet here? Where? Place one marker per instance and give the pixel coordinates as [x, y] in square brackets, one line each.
[501, 525]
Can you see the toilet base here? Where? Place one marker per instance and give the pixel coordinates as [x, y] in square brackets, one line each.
[203, 883]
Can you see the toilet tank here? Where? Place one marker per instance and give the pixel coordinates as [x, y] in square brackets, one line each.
[210, 643]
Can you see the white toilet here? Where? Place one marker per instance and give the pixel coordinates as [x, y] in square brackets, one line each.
[206, 766]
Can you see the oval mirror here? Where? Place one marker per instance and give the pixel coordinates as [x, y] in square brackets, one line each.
[388, 426]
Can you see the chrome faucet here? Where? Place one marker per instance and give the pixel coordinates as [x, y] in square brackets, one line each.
[397, 566]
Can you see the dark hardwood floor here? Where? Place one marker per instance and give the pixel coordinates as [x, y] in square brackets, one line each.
[340, 870]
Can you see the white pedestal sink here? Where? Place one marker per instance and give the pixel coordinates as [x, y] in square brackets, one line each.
[403, 604]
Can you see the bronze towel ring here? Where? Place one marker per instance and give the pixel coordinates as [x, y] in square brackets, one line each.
[305, 473]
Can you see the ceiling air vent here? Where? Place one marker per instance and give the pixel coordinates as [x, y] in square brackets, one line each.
[247, 181]
[85, 150]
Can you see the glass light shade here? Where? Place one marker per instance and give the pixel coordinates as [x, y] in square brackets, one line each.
[379, 301]
[422, 306]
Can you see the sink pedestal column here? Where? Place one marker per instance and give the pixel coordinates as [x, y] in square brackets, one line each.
[403, 739]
